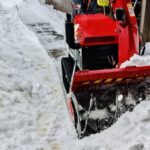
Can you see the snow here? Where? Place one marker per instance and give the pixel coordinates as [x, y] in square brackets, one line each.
[32, 12]
[29, 87]
[7, 4]
[137, 60]
[33, 113]
[120, 98]
[100, 114]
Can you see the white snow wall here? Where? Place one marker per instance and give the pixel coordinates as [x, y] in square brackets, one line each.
[29, 86]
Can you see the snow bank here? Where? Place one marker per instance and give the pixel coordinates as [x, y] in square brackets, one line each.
[137, 60]
[29, 86]
[32, 12]
[7, 4]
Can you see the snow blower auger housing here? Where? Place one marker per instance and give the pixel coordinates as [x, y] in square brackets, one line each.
[100, 39]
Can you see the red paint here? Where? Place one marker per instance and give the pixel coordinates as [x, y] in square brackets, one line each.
[125, 73]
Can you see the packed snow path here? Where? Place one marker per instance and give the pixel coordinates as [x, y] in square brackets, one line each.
[52, 41]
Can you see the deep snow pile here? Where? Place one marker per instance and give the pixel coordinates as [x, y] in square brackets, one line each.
[41, 18]
[33, 114]
[137, 60]
[29, 86]
[32, 12]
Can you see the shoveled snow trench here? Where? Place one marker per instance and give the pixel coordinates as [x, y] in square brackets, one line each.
[33, 114]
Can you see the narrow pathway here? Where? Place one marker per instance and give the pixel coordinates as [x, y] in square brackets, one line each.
[61, 126]
[52, 41]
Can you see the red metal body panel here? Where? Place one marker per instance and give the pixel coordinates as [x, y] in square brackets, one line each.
[95, 26]
[90, 77]
[128, 32]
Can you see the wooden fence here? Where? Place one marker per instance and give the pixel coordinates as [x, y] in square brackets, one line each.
[145, 20]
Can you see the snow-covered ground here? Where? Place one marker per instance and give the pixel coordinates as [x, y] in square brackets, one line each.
[30, 89]
[33, 114]
[137, 60]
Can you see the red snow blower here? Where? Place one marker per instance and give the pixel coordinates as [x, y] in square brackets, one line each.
[100, 38]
